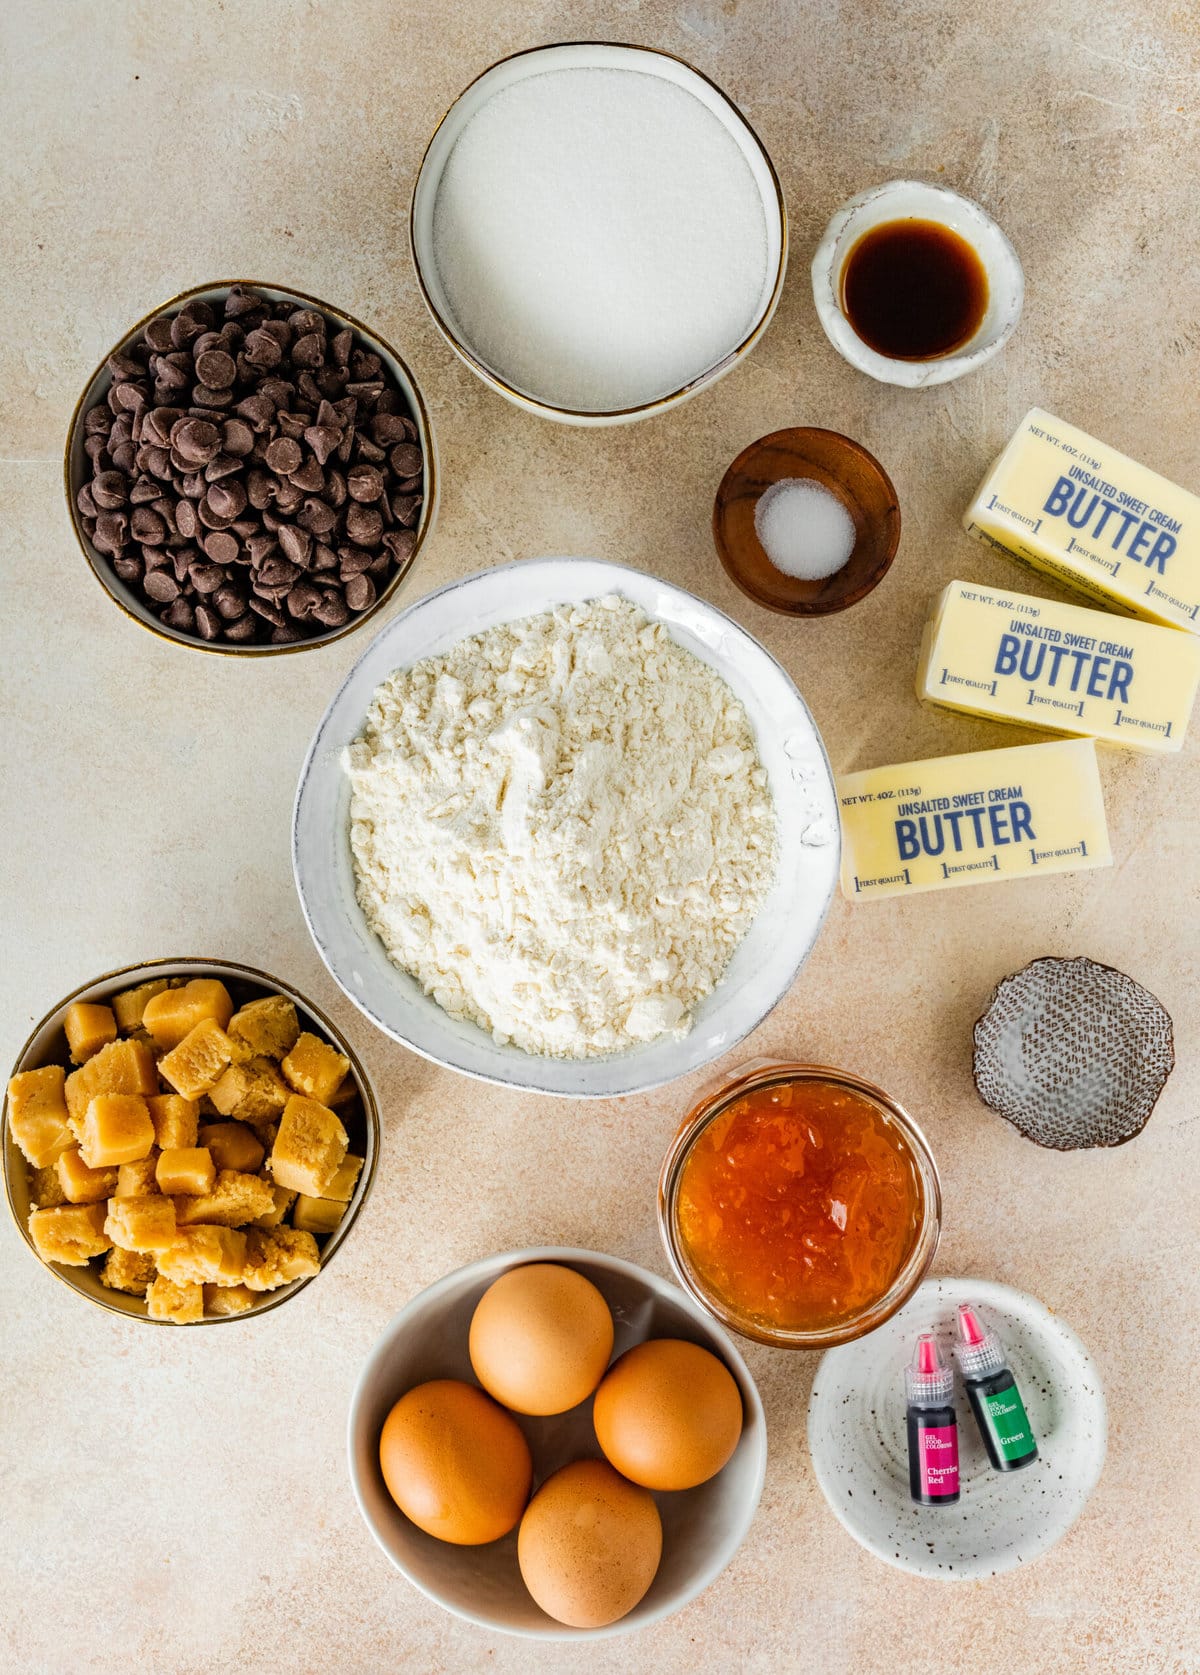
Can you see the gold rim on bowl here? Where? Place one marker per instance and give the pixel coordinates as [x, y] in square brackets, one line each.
[608, 415]
[246, 973]
[92, 392]
[768, 1073]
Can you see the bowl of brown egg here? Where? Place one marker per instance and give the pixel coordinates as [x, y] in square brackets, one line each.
[187, 1142]
[558, 1444]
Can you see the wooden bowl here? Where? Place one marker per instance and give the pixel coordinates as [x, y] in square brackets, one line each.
[838, 464]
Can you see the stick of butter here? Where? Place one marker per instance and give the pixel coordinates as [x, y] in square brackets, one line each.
[1104, 525]
[1061, 667]
[1016, 813]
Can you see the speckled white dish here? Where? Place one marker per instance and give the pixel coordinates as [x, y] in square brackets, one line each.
[766, 961]
[856, 1433]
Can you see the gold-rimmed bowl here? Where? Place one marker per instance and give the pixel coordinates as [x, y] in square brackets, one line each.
[96, 390]
[47, 1045]
[612, 55]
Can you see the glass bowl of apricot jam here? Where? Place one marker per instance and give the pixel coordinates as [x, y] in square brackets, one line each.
[800, 1205]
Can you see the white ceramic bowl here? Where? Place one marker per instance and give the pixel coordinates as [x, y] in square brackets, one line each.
[898, 200]
[856, 1433]
[592, 55]
[702, 1528]
[767, 960]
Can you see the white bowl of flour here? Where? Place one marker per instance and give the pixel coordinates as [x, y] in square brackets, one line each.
[597, 231]
[442, 878]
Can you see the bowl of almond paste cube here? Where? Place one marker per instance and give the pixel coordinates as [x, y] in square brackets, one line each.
[187, 1141]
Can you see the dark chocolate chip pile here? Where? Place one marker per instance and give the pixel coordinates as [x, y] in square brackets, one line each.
[257, 480]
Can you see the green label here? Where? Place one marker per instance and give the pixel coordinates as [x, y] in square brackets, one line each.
[1010, 1423]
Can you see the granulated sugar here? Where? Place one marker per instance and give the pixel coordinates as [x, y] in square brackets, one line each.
[600, 237]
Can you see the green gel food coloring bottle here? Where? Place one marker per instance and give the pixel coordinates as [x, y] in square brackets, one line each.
[993, 1394]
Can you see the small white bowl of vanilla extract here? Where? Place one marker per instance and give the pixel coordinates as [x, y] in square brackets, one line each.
[916, 284]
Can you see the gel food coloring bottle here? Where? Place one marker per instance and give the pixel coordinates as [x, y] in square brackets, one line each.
[932, 1426]
[993, 1394]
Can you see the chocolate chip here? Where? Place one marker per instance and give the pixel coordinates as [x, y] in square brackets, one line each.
[208, 623]
[302, 599]
[331, 610]
[216, 370]
[161, 586]
[147, 527]
[401, 543]
[230, 602]
[364, 483]
[180, 615]
[364, 525]
[85, 503]
[285, 636]
[268, 612]
[237, 438]
[405, 459]
[360, 593]
[158, 333]
[283, 455]
[277, 573]
[352, 561]
[310, 477]
[207, 578]
[128, 569]
[227, 499]
[195, 440]
[244, 629]
[297, 544]
[110, 489]
[406, 508]
[317, 516]
[221, 547]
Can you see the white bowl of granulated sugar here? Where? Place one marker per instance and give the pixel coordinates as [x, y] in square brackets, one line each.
[566, 827]
[597, 231]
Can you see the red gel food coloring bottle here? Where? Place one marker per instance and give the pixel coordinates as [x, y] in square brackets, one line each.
[932, 1426]
[993, 1394]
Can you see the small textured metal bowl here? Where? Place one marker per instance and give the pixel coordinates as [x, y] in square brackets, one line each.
[1073, 1053]
[47, 1045]
[608, 55]
[766, 1073]
[96, 389]
[838, 464]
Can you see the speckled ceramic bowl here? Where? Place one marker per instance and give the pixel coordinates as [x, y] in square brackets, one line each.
[702, 1527]
[47, 1045]
[857, 1435]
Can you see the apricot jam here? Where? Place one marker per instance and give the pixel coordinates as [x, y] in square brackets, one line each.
[799, 1205]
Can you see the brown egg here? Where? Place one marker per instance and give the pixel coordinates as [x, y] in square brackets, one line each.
[668, 1414]
[589, 1545]
[540, 1338]
[455, 1463]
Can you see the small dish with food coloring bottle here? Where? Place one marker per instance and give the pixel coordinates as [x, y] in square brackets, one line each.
[916, 284]
[806, 521]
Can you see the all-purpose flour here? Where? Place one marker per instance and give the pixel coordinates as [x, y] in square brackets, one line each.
[561, 828]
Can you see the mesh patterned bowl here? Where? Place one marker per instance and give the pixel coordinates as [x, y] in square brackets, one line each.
[1073, 1053]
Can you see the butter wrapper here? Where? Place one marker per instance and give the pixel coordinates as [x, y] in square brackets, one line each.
[1061, 502]
[1063, 668]
[971, 819]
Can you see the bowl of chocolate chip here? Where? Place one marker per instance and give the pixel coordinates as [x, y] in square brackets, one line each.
[251, 470]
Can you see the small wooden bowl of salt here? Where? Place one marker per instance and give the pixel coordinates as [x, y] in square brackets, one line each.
[806, 522]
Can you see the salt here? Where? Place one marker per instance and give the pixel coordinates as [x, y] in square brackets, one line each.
[600, 238]
[804, 528]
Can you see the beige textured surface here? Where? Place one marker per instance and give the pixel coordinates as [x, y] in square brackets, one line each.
[175, 1503]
